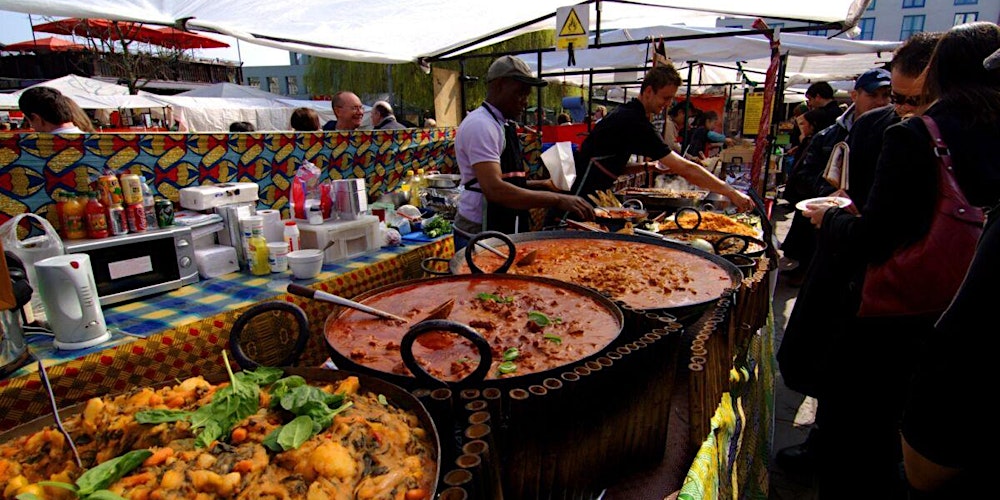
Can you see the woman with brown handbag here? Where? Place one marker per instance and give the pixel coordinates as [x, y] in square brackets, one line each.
[913, 270]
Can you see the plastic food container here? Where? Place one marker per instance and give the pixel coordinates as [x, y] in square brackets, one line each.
[305, 264]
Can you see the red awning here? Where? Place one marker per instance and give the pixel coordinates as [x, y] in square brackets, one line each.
[48, 44]
[183, 40]
[101, 29]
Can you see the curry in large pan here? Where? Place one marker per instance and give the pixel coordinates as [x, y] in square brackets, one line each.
[643, 273]
[305, 433]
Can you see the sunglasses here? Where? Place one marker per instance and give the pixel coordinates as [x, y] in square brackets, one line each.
[900, 99]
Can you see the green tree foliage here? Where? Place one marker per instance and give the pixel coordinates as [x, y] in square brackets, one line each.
[412, 91]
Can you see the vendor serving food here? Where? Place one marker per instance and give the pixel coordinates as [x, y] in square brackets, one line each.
[605, 152]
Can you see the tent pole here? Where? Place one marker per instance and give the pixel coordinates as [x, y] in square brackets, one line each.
[687, 107]
[590, 102]
[461, 88]
[539, 108]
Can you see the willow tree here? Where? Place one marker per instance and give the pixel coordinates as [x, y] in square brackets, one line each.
[413, 91]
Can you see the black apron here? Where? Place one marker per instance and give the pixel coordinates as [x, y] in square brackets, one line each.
[496, 216]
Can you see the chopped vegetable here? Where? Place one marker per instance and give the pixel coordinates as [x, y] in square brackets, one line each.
[382, 401]
[436, 226]
[511, 354]
[540, 319]
[507, 367]
[495, 298]
[553, 338]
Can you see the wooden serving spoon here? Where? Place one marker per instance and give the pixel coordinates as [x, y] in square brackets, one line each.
[440, 312]
[528, 258]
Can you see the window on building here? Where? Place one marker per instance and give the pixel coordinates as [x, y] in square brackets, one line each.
[912, 4]
[911, 25]
[292, 82]
[966, 2]
[871, 6]
[867, 25]
[272, 84]
[254, 81]
[966, 17]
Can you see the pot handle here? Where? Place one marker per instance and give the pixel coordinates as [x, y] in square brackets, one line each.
[677, 218]
[746, 243]
[427, 265]
[633, 201]
[742, 262]
[511, 251]
[481, 345]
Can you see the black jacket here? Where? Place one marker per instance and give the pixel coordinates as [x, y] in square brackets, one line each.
[389, 123]
[806, 180]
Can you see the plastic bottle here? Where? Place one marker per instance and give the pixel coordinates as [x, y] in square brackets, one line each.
[292, 235]
[74, 213]
[257, 245]
[148, 203]
[415, 188]
[97, 219]
[60, 197]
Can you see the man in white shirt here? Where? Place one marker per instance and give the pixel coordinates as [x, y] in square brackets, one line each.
[48, 110]
[497, 192]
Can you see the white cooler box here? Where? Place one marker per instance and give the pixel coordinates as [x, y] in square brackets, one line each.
[350, 237]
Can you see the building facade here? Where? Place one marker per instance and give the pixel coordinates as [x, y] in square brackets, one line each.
[898, 19]
[285, 80]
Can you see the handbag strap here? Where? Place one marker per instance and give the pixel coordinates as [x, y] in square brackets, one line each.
[949, 187]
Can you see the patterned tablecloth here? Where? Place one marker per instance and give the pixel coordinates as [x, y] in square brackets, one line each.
[182, 333]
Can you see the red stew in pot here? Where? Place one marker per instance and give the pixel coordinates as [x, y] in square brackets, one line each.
[644, 276]
[532, 326]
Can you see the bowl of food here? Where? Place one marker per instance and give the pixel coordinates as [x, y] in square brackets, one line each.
[614, 218]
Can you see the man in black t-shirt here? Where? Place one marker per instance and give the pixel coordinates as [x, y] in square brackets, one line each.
[604, 154]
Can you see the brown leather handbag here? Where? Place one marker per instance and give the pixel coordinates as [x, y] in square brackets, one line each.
[922, 278]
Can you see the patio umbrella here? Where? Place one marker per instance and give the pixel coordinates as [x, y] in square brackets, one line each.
[181, 40]
[48, 44]
[97, 28]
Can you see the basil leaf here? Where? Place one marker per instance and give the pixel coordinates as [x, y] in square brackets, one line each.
[281, 387]
[507, 367]
[161, 416]
[495, 298]
[262, 375]
[553, 338]
[296, 432]
[271, 440]
[107, 473]
[104, 495]
[539, 318]
[511, 354]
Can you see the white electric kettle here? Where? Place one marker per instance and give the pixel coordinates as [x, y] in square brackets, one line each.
[73, 309]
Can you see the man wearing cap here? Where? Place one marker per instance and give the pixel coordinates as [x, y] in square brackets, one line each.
[497, 190]
[604, 154]
[871, 90]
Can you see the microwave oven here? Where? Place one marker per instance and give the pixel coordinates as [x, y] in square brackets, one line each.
[135, 265]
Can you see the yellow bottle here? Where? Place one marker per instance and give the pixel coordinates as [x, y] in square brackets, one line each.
[417, 185]
[258, 252]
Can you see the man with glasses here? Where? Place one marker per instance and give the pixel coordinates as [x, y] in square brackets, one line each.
[348, 110]
[816, 312]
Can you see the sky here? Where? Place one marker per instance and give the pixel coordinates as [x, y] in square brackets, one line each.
[15, 27]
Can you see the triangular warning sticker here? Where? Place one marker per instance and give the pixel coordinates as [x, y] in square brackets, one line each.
[572, 26]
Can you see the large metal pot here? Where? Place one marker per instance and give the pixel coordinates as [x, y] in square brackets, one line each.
[444, 181]
[373, 385]
[419, 295]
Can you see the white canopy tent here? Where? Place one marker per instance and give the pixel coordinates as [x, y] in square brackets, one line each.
[341, 29]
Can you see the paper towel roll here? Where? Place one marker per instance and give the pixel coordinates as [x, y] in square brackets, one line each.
[273, 230]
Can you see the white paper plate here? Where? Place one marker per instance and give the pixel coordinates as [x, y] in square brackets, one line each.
[840, 202]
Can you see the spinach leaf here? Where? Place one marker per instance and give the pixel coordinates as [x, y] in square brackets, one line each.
[540, 319]
[271, 440]
[296, 432]
[229, 406]
[262, 375]
[104, 495]
[58, 484]
[107, 473]
[495, 298]
[281, 387]
[27, 496]
[161, 416]
[299, 399]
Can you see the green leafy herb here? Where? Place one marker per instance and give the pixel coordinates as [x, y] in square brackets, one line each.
[300, 399]
[296, 432]
[463, 360]
[107, 473]
[540, 319]
[27, 496]
[436, 226]
[104, 495]
[262, 375]
[495, 298]
[553, 338]
[507, 367]
[382, 401]
[281, 387]
[271, 440]
[511, 354]
[229, 406]
[161, 416]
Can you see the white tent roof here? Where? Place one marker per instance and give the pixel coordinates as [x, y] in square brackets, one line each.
[405, 31]
[73, 85]
[226, 89]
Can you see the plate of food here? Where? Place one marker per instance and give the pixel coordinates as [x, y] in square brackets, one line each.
[823, 201]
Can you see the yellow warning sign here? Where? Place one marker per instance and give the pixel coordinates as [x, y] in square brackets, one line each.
[572, 26]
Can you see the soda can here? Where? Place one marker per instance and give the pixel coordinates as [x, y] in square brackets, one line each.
[164, 212]
[109, 192]
[135, 214]
[131, 189]
[117, 225]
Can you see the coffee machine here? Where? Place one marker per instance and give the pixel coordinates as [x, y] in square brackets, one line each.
[13, 348]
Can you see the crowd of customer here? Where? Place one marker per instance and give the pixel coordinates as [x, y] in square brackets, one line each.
[865, 335]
